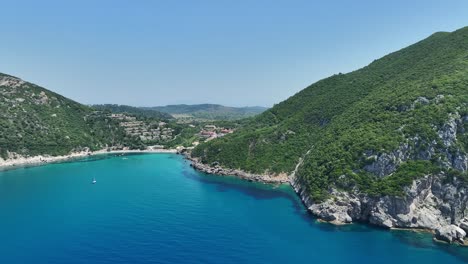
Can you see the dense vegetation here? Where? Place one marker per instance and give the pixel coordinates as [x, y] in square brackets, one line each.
[209, 111]
[131, 110]
[343, 123]
[35, 121]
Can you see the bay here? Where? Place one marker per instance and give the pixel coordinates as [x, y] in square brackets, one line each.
[154, 208]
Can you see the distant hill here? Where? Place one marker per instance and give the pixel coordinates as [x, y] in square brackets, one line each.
[115, 108]
[209, 111]
[34, 120]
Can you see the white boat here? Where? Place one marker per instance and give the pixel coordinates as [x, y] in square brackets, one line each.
[94, 180]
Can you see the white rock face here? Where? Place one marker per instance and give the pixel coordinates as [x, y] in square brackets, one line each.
[335, 211]
[415, 148]
[432, 202]
[429, 203]
[450, 233]
[387, 163]
[11, 81]
[464, 225]
[423, 206]
[448, 133]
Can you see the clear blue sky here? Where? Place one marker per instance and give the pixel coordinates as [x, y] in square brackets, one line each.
[250, 52]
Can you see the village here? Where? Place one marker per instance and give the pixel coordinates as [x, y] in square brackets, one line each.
[210, 132]
[145, 130]
[159, 131]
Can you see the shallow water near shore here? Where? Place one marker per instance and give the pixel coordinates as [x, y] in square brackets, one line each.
[154, 208]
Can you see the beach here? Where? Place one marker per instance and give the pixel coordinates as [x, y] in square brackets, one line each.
[19, 160]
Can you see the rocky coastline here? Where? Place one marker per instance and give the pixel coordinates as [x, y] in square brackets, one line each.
[430, 204]
[218, 170]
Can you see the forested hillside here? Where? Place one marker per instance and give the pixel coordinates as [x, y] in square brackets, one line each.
[34, 120]
[373, 130]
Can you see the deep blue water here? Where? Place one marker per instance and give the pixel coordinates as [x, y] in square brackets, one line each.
[157, 209]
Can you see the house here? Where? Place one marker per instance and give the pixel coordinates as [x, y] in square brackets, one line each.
[208, 134]
[226, 131]
[210, 127]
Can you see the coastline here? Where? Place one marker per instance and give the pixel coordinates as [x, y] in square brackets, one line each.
[320, 213]
[214, 169]
[39, 160]
[218, 170]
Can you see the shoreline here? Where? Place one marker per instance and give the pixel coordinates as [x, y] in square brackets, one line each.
[305, 199]
[218, 170]
[46, 159]
[213, 170]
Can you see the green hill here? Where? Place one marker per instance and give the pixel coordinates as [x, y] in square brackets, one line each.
[36, 121]
[373, 130]
[209, 111]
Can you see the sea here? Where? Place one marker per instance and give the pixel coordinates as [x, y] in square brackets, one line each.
[155, 208]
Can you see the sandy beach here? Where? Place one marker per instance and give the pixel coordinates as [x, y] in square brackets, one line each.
[45, 159]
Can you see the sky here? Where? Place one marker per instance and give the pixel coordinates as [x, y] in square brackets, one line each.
[236, 53]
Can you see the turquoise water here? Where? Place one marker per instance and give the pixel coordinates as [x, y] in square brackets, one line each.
[157, 209]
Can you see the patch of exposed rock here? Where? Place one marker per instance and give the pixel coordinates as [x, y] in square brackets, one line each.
[384, 164]
[429, 203]
[434, 202]
[11, 81]
[450, 233]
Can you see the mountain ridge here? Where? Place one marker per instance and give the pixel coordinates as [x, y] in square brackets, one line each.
[117, 108]
[209, 111]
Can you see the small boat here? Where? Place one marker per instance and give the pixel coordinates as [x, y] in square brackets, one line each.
[94, 181]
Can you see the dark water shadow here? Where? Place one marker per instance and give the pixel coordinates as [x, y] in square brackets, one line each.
[424, 240]
[417, 239]
[460, 252]
[258, 191]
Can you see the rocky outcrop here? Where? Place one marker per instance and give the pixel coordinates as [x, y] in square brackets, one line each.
[11, 81]
[434, 202]
[464, 224]
[337, 211]
[429, 203]
[386, 163]
[450, 233]
[448, 133]
[218, 170]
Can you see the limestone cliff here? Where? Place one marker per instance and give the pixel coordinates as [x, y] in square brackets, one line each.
[436, 201]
